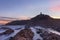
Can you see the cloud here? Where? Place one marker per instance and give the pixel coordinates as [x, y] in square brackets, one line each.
[3, 22]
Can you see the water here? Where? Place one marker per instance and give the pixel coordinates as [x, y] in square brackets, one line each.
[36, 36]
[19, 28]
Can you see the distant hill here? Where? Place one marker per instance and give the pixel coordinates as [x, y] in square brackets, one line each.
[18, 22]
[39, 20]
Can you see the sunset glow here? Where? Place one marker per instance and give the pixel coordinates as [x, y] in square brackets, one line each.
[24, 18]
[57, 17]
[26, 9]
[3, 22]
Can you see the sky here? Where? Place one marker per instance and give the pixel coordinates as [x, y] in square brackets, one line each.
[29, 8]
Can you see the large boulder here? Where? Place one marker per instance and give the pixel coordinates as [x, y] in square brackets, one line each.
[25, 34]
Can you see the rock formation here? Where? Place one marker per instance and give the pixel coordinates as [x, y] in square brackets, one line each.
[7, 32]
[25, 34]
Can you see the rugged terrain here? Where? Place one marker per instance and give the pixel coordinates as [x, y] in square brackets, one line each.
[39, 20]
[32, 33]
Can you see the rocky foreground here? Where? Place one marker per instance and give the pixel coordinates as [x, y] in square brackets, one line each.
[32, 33]
[27, 34]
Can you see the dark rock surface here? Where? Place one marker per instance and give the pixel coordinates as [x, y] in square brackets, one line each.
[25, 34]
[51, 36]
[48, 35]
[7, 32]
[18, 22]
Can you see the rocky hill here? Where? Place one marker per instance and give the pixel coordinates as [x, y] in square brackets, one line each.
[36, 19]
[39, 20]
[18, 22]
[46, 21]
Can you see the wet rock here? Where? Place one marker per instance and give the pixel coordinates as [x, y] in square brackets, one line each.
[41, 35]
[25, 34]
[10, 38]
[7, 32]
[50, 36]
[39, 31]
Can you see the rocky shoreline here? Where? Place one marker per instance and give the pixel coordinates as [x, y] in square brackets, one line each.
[34, 34]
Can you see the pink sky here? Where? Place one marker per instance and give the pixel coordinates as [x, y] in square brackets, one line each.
[55, 5]
[19, 18]
[3, 22]
[55, 8]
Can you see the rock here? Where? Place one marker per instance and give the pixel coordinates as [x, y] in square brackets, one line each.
[38, 39]
[51, 36]
[39, 31]
[48, 35]
[10, 38]
[25, 34]
[7, 32]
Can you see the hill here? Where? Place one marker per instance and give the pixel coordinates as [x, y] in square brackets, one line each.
[18, 22]
[39, 20]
